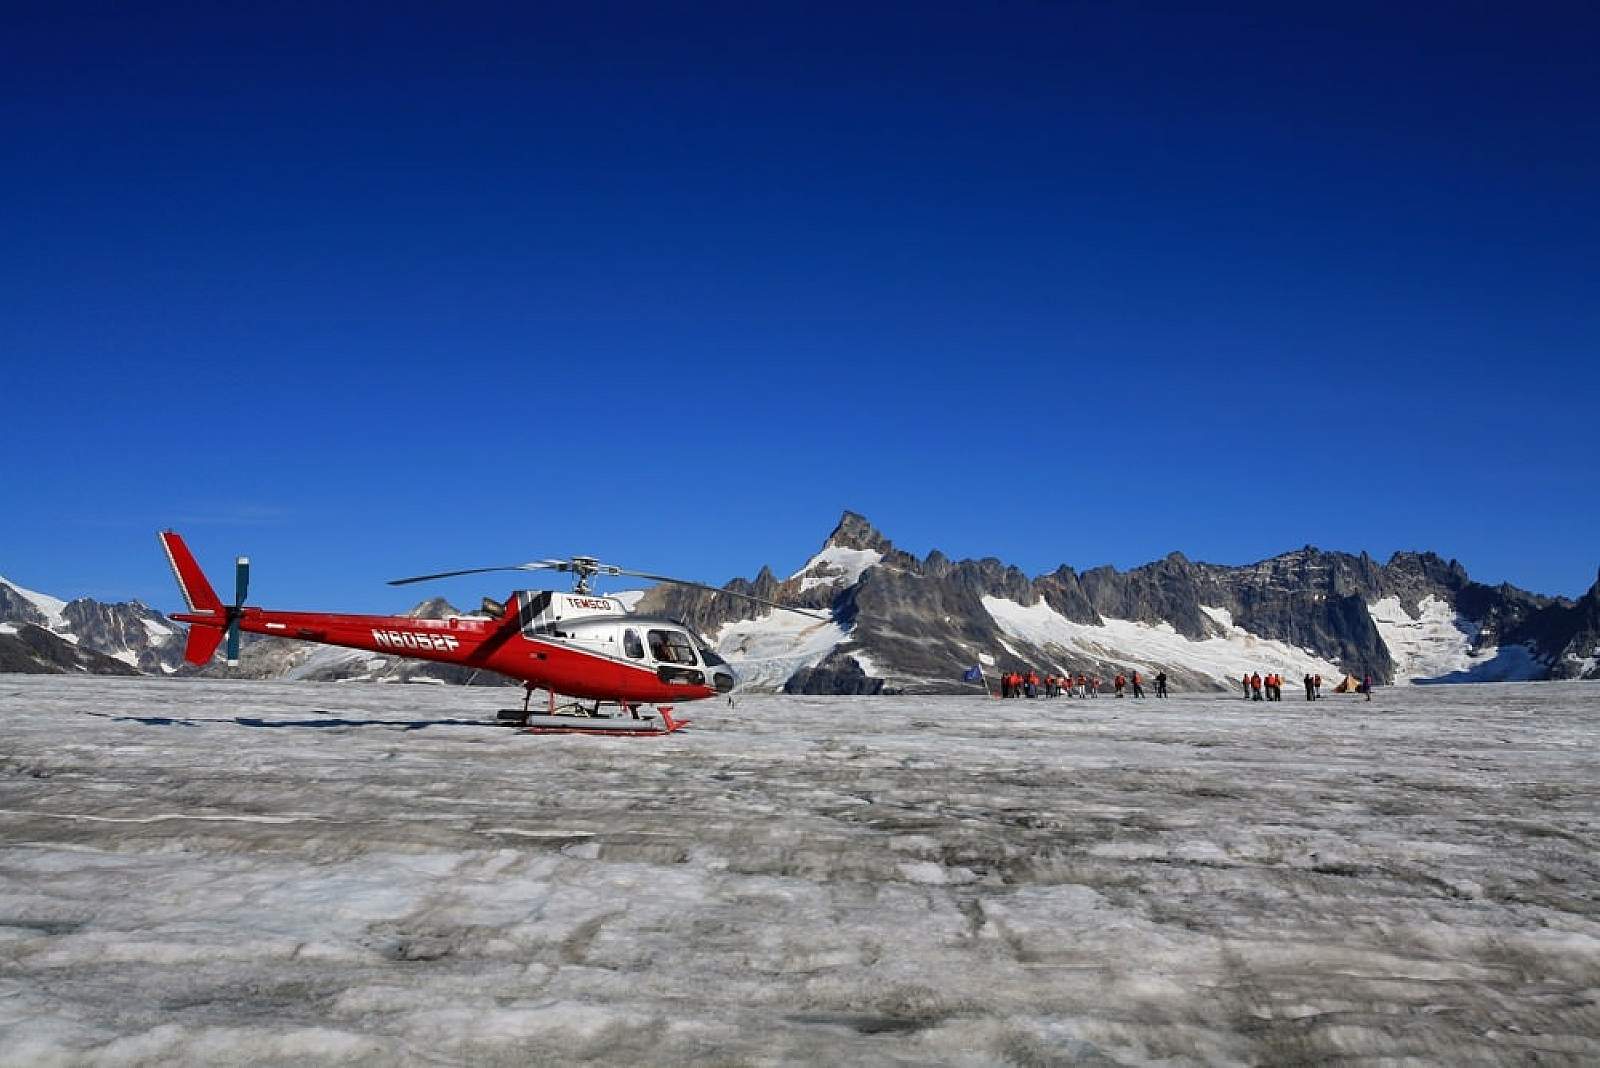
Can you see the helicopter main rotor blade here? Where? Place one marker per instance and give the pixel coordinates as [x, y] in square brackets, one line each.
[718, 589]
[540, 565]
[586, 566]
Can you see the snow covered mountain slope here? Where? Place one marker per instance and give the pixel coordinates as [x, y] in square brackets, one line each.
[29, 649]
[770, 650]
[130, 632]
[1193, 663]
[836, 566]
[1439, 644]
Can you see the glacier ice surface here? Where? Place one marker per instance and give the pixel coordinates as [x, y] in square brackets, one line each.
[214, 872]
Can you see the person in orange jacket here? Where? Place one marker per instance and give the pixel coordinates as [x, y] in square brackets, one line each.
[1255, 686]
[1138, 690]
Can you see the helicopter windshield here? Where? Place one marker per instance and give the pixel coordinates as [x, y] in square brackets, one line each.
[708, 655]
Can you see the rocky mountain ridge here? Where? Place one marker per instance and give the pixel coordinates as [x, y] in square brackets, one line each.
[916, 624]
[53, 635]
[903, 623]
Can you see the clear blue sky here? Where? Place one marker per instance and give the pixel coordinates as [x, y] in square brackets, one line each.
[392, 288]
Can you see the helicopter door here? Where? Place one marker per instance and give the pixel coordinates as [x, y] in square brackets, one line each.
[674, 652]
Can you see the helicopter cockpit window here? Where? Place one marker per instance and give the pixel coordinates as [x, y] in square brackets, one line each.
[708, 655]
[671, 647]
[632, 645]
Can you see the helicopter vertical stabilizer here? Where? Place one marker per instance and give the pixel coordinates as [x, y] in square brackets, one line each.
[200, 598]
[197, 592]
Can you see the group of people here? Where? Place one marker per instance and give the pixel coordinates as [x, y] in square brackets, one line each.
[1269, 687]
[1031, 684]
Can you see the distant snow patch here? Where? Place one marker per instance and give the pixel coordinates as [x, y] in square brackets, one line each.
[324, 657]
[868, 666]
[835, 566]
[157, 631]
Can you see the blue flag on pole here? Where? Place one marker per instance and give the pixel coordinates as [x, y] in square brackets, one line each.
[972, 674]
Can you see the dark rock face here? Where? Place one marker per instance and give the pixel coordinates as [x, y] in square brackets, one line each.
[14, 608]
[1308, 599]
[156, 642]
[36, 651]
[1574, 632]
[854, 532]
[844, 677]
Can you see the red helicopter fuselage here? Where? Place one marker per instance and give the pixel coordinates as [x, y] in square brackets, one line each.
[584, 647]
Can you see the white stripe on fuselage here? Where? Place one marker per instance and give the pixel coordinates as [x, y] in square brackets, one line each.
[598, 655]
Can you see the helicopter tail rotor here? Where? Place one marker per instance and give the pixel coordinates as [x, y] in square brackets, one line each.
[241, 587]
[210, 620]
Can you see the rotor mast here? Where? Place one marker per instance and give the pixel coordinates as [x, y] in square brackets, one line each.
[586, 568]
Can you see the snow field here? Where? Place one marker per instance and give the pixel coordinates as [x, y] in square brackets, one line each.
[765, 652]
[1223, 659]
[1436, 646]
[207, 872]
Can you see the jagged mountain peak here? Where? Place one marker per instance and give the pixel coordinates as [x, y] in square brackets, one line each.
[434, 608]
[1430, 565]
[855, 532]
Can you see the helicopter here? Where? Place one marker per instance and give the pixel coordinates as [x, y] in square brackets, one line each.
[580, 645]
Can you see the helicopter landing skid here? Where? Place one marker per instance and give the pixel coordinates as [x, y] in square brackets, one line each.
[643, 727]
[577, 717]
